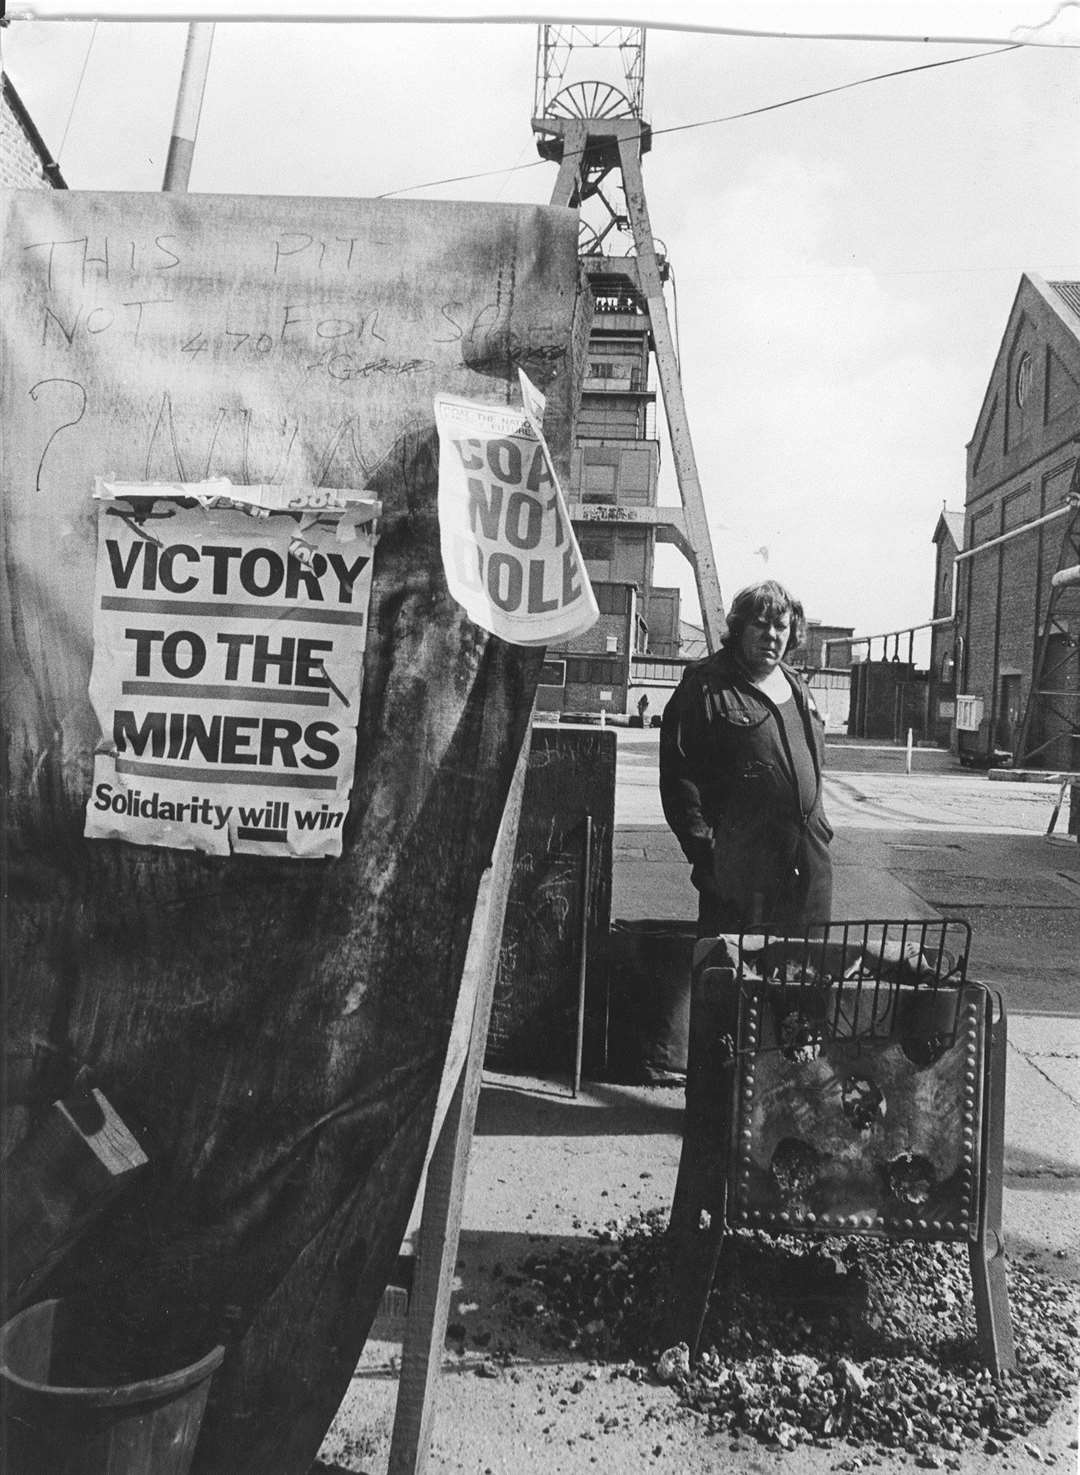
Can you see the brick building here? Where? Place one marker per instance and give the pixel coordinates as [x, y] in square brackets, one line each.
[25, 162]
[824, 646]
[948, 541]
[1020, 461]
[592, 673]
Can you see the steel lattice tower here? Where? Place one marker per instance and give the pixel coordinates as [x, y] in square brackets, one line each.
[597, 133]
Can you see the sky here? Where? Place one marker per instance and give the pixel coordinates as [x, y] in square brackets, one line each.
[843, 267]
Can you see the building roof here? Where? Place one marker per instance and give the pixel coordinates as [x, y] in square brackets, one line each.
[1069, 292]
[954, 521]
[1063, 298]
[953, 524]
[1062, 301]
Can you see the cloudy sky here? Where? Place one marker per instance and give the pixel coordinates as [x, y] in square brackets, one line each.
[844, 266]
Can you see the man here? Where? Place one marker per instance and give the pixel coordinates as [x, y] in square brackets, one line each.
[741, 749]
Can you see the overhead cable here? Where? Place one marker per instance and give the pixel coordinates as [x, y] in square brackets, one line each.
[78, 89]
[770, 107]
[788, 102]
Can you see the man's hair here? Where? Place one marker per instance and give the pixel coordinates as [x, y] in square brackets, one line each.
[766, 600]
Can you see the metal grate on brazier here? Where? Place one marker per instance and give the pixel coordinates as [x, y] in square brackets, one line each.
[859, 1081]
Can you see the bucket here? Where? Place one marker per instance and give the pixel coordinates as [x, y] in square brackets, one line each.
[648, 980]
[59, 1422]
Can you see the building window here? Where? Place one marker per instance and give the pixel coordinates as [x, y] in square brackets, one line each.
[1023, 379]
[611, 599]
[585, 671]
[659, 671]
[594, 544]
[553, 673]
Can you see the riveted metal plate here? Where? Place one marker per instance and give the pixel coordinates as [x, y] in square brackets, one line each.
[864, 1131]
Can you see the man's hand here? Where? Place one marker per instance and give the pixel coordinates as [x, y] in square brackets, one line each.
[702, 873]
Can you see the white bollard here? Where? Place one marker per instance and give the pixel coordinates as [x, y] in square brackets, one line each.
[910, 735]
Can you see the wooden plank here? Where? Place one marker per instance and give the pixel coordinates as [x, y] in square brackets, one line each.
[58, 1180]
[440, 1223]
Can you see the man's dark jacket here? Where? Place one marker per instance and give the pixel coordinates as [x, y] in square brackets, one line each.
[728, 789]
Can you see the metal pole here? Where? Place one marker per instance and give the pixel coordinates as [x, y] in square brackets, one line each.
[1057, 808]
[189, 101]
[586, 887]
[1024, 527]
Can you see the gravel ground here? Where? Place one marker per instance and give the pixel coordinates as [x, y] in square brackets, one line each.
[832, 1354]
[809, 1340]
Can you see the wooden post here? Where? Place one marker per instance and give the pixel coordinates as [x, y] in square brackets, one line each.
[444, 1193]
[986, 1253]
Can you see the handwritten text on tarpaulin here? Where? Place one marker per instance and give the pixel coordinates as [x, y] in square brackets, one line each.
[228, 663]
[509, 551]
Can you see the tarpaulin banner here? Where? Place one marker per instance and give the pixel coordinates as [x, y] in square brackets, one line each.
[228, 659]
[277, 1028]
[509, 551]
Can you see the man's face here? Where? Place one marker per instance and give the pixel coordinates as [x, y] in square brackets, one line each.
[763, 642]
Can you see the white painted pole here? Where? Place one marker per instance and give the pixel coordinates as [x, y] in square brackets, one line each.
[910, 736]
[189, 103]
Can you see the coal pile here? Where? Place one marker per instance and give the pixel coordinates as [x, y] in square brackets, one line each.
[808, 1341]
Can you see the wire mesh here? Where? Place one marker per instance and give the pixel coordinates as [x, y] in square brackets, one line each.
[860, 981]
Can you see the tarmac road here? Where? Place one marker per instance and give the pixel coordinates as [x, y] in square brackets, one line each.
[940, 841]
[866, 787]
